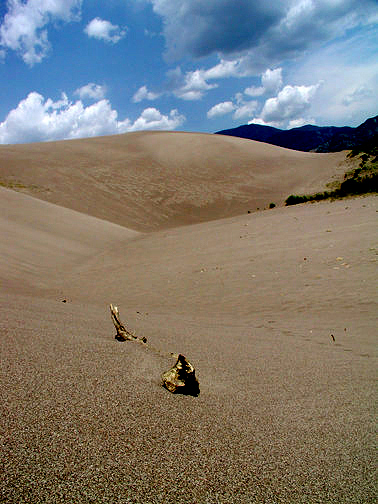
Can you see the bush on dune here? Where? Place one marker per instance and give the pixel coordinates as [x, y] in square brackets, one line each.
[360, 180]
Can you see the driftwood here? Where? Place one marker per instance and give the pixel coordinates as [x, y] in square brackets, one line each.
[180, 379]
[122, 333]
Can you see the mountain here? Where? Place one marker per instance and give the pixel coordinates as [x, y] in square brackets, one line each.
[309, 137]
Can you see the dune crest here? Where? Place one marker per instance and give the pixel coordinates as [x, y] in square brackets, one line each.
[156, 180]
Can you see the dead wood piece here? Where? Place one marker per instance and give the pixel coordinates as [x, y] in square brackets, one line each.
[181, 379]
[122, 333]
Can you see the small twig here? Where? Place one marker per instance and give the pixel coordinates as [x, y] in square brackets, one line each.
[122, 333]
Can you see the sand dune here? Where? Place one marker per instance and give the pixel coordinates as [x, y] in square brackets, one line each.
[285, 413]
[39, 239]
[154, 180]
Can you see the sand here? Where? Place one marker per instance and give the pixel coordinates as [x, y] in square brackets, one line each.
[286, 413]
[154, 180]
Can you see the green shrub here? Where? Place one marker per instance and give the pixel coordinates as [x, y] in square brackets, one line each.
[295, 199]
[361, 180]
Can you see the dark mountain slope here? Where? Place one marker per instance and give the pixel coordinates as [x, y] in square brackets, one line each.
[309, 137]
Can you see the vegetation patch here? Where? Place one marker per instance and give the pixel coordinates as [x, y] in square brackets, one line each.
[12, 185]
[19, 186]
[362, 179]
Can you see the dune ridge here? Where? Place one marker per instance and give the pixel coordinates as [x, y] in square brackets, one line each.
[154, 180]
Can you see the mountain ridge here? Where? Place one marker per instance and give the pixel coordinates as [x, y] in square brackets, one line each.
[309, 138]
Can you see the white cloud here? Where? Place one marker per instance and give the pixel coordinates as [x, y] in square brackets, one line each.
[220, 109]
[297, 123]
[236, 67]
[271, 82]
[91, 90]
[37, 119]
[24, 26]
[144, 94]
[241, 109]
[254, 91]
[226, 68]
[104, 30]
[290, 104]
[192, 86]
[245, 110]
[151, 118]
[261, 122]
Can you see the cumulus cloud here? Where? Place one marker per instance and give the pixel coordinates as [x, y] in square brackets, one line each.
[288, 108]
[189, 86]
[297, 123]
[220, 109]
[289, 105]
[24, 27]
[37, 119]
[225, 68]
[271, 82]
[254, 91]
[144, 94]
[193, 85]
[269, 31]
[245, 110]
[236, 67]
[151, 118]
[104, 30]
[261, 122]
[92, 91]
[241, 109]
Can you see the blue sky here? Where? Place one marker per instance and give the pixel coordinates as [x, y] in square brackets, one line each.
[79, 68]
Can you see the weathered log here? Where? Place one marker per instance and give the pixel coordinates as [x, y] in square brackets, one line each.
[181, 379]
[122, 333]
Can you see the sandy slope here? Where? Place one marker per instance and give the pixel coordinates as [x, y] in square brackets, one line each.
[151, 180]
[285, 414]
[38, 239]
